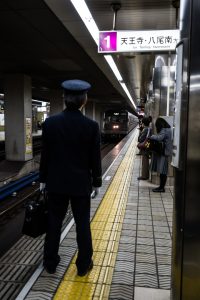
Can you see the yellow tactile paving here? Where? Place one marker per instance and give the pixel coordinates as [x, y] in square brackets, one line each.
[106, 229]
[101, 235]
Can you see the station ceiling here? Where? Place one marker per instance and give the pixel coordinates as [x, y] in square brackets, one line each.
[47, 40]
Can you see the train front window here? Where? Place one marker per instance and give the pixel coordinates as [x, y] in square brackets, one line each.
[119, 119]
[116, 117]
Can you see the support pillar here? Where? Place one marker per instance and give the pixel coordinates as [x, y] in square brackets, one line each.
[89, 110]
[92, 111]
[97, 117]
[18, 118]
[57, 103]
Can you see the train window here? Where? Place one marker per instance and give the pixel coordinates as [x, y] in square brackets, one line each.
[115, 118]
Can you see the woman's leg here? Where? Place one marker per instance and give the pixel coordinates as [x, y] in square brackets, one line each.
[145, 166]
[161, 188]
[163, 180]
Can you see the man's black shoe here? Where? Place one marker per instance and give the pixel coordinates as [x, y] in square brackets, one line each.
[158, 190]
[142, 178]
[84, 272]
[50, 269]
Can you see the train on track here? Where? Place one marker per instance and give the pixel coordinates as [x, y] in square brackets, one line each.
[117, 123]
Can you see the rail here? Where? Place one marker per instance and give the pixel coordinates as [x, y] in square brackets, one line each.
[15, 186]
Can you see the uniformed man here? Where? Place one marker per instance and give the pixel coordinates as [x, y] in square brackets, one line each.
[70, 168]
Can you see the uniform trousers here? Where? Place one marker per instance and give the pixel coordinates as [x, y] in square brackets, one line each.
[57, 208]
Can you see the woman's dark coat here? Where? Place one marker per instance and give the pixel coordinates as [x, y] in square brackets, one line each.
[159, 163]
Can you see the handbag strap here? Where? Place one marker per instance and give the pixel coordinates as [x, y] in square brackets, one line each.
[148, 133]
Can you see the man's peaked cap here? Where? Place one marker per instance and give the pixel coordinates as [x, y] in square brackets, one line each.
[75, 86]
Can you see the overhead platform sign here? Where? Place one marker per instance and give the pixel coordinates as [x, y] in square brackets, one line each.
[138, 41]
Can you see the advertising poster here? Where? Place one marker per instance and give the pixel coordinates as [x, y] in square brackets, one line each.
[28, 136]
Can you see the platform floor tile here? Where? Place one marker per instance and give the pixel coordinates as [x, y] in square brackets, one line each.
[121, 291]
[151, 294]
[33, 295]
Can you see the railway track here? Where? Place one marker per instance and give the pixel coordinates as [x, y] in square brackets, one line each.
[14, 196]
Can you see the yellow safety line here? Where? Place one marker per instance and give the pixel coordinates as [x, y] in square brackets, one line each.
[106, 230]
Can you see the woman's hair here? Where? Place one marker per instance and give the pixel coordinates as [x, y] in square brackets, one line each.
[74, 101]
[146, 121]
[161, 123]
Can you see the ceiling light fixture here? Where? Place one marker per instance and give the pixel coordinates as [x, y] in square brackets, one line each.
[88, 20]
[84, 13]
[128, 94]
[113, 66]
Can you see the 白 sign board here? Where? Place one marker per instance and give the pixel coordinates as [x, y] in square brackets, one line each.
[138, 41]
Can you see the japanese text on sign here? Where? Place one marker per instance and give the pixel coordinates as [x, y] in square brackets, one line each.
[138, 41]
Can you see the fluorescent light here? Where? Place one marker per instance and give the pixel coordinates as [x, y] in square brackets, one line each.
[194, 86]
[127, 92]
[39, 101]
[113, 66]
[86, 16]
[195, 77]
[115, 70]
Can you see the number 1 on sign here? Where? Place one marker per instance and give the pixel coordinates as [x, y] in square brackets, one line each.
[107, 41]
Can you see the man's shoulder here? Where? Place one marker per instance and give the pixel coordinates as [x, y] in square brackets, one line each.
[54, 117]
[51, 121]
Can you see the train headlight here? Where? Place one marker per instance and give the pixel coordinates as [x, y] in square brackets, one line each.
[115, 126]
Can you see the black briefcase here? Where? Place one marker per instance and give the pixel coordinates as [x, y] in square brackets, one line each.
[35, 222]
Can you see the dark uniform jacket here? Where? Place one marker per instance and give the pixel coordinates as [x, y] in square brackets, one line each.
[71, 158]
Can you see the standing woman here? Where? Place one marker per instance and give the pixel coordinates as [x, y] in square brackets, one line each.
[159, 162]
[146, 132]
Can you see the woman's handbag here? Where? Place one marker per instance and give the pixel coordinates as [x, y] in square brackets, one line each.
[156, 146]
[35, 221]
[144, 145]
